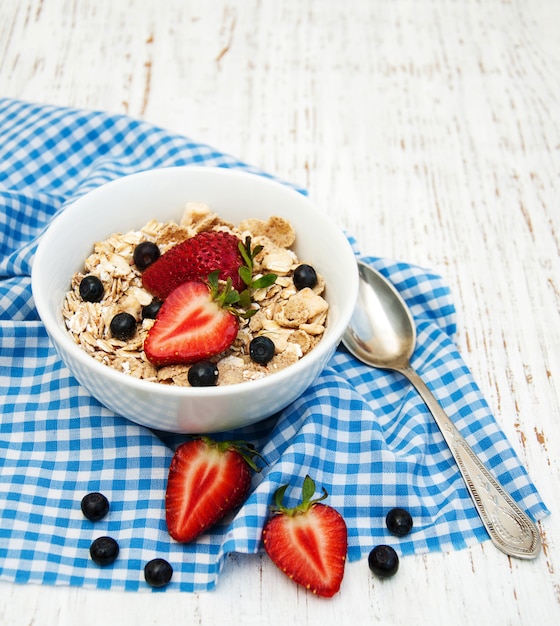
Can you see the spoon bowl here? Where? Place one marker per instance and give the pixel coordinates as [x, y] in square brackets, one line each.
[382, 334]
[382, 331]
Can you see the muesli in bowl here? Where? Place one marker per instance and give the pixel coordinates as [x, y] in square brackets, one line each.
[128, 204]
[132, 307]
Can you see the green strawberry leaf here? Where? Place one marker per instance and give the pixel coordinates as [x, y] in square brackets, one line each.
[264, 281]
[245, 251]
[240, 304]
[245, 299]
[246, 275]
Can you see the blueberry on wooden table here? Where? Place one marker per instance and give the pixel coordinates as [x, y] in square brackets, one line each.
[383, 561]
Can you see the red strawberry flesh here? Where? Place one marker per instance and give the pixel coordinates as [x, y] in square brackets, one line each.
[205, 483]
[194, 259]
[309, 547]
[308, 542]
[190, 326]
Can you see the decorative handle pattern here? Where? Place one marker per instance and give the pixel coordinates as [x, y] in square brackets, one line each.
[510, 529]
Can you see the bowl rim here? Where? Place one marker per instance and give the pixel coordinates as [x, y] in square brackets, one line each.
[63, 341]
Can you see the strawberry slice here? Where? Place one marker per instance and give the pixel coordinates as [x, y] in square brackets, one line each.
[308, 542]
[191, 325]
[195, 259]
[206, 481]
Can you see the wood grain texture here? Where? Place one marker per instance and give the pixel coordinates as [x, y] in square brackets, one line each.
[430, 129]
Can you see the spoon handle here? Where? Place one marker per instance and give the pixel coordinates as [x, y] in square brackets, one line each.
[510, 529]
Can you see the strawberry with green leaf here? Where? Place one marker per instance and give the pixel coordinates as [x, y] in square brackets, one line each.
[207, 480]
[308, 542]
[200, 318]
[195, 322]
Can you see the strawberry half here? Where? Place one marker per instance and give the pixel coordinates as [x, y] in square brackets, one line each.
[308, 542]
[195, 259]
[206, 481]
[192, 324]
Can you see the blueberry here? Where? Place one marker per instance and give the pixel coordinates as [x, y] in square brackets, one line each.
[149, 311]
[203, 374]
[123, 326]
[104, 550]
[91, 289]
[145, 254]
[261, 350]
[383, 561]
[304, 276]
[399, 522]
[158, 572]
[95, 506]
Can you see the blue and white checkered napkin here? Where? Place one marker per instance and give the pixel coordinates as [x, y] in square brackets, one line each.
[363, 434]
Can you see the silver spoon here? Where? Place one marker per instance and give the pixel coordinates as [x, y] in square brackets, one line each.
[382, 334]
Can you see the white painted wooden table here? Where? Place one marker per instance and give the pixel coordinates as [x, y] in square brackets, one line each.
[431, 130]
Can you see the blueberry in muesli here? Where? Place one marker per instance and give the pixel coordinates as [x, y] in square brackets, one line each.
[261, 350]
[145, 254]
[305, 276]
[91, 288]
[150, 311]
[203, 374]
[123, 326]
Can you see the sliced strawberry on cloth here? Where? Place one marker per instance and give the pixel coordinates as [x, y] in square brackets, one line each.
[194, 259]
[206, 481]
[193, 323]
[308, 542]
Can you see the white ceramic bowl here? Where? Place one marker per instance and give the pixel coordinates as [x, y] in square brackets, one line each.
[129, 203]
